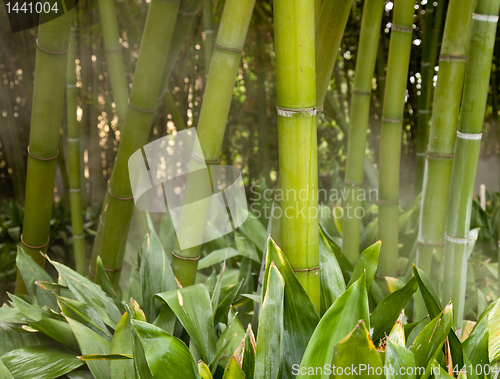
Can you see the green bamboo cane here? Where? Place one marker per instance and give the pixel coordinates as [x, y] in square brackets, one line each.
[114, 59]
[169, 101]
[74, 160]
[211, 125]
[134, 32]
[442, 133]
[115, 219]
[185, 16]
[329, 31]
[317, 8]
[467, 146]
[46, 116]
[359, 119]
[297, 138]
[390, 138]
[381, 68]
[425, 92]
[208, 26]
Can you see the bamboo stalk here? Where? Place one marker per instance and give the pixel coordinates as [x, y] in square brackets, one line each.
[114, 59]
[329, 31]
[297, 137]
[134, 32]
[46, 116]
[390, 138]
[444, 123]
[115, 219]
[359, 119]
[74, 160]
[177, 119]
[208, 26]
[211, 126]
[467, 147]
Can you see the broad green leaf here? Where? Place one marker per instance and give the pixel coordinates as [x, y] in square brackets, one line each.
[218, 256]
[50, 286]
[32, 272]
[166, 355]
[59, 331]
[204, 370]
[166, 319]
[249, 348]
[476, 347]
[4, 373]
[357, 350]
[229, 340]
[106, 284]
[494, 330]
[31, 312]
[89, 293]
[40, 362]
[155, 273]
[80, 374]
[439, 372]
[214, 299]
[268, 356]
[83, 314]
[331, 277]
[341, 317]
[192, 307]
[233, 370]
[92, 343]
[387, 311]
[11, 314]
[434, 309]
[344, 263]
[367, 263]
[226, 299]
[299, 316]
[253, 229]
[122, 344]
[399, 362]
[105, 357]
[432, 337]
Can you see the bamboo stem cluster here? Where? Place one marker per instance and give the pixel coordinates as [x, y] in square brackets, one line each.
[467, 147]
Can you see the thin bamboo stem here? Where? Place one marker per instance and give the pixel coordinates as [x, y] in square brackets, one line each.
[177, 119]
[208, 26]
[46, 116]
[112, 231]
[133, 31]
[444, 123]
[359, 119]
[390, 138]
[467, 147]
[211, 127]
[74, 160]
[297, 136]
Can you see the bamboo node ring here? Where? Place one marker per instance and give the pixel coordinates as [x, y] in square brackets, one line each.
[204, 161]
[444, 157]
[462, 241]
[73, 190]
[208, 31]
[453, 58]
[228, 48]
[361, 93]
[79, 237]
[430, 243]
[73, 139]
[484, 17]
[388, 202]
[469, 136]
[34, 247]
[401, 28]
[425, 64]
[298, 112]
[41, 158]
[420, 154]
[117, 197]
[186, 258]
[306, 269]
[392, 120]
[424, 111]
[141, 110]
[187, 14]
[105, 269]
[51, 52]
[69, 85]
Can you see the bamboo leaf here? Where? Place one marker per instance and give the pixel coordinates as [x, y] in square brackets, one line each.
[218, 256]
[122, 344]
[106, 284]
[331, 278]
[192, 307]
[92, 343]
[336, 323]
[204, 370]
[228, 294]
[32, 272]
[4, 373]
[494, 330]
[31, 312]
[83, 314]
[432, 338]
[253, 229]
[398, 358]
[230, 339]
[357, 350]
[387, 311]
[476, 347]
[89, 293]
[368, 262]
[233, 370]
[268, 356]
[105, 357]
[50, 286]
[59, 331]
[166, 355]
[248, 364]
[41, 362]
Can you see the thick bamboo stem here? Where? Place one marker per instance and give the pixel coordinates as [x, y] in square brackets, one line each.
[211, 126]
[297, 137]
[390, 138]
[74, 160]
[46, 116]
[115, 219]
[359, 120]
[444, 123]
[467, 146]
